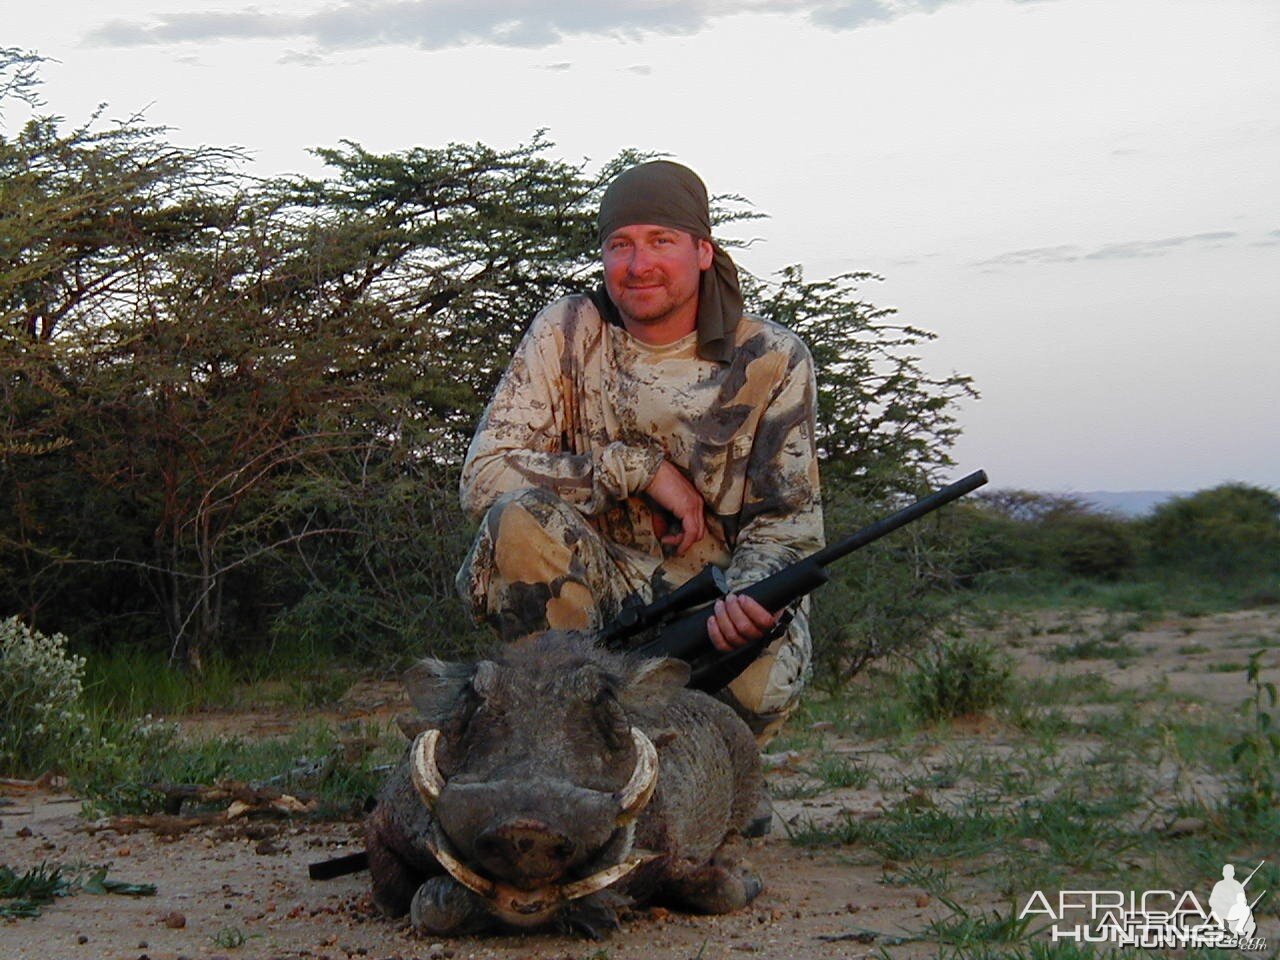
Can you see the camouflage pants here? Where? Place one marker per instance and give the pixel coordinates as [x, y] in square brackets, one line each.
[537, 564]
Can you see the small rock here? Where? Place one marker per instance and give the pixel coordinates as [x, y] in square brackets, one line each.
[922, 900]
[822, 725]
[24, 832]
[123, 851]
[82, 939]
[771, 761]
[175, 920]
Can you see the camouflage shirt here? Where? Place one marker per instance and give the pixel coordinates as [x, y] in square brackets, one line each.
[589, 412]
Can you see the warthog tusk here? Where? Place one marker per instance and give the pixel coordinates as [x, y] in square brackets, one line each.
[643, 779]
[422, 767]
[529, 903]
[439, 848]
[598, 881]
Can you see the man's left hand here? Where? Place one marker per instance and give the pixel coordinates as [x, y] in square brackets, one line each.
[737, 621]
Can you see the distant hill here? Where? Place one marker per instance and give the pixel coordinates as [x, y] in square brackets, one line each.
[1129, 503]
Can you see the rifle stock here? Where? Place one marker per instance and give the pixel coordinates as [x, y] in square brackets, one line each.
[686, 638]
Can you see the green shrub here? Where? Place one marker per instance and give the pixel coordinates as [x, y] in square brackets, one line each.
[1020, 530]
[118, 773]
[959, 677]
[1223, 531]
[41, 717]
[1093, 545]
[885, 600]
[1256, 753]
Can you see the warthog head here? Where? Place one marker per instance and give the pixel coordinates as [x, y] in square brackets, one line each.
[534, 770]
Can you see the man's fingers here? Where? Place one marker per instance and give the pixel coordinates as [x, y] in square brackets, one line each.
[694, 528]
[758, 615]
[672, 491]
[742, 623]
[717, 638]
[730, 629]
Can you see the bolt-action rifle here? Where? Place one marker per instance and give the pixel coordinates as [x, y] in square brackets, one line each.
[683, 634]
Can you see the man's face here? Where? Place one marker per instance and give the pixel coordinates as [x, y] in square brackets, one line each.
[652, 272]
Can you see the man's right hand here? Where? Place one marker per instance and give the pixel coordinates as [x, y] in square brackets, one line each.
[671, 490]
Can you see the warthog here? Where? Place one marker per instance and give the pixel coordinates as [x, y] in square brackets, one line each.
[558, 782]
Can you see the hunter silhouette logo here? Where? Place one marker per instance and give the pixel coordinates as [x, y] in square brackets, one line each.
[1154, 919]
[1230, 905]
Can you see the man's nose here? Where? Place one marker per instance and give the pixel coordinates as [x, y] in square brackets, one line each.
[641, 261]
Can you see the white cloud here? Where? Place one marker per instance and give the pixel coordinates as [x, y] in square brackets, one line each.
[1070, 253]
[438, 24]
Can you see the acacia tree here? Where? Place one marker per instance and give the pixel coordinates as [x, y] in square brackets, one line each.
[885, 429]
[85, 215]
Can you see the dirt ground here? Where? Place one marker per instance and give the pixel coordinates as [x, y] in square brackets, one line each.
[239, 889]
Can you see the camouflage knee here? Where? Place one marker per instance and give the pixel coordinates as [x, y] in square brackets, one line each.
[766, 693]
[536, 564]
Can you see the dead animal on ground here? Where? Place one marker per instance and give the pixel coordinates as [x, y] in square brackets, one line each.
[558, 782]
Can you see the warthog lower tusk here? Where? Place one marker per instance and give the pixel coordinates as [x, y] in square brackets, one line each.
[643, 779]
[422, 767]
[439, 848]
[529, 904]
[598, 881]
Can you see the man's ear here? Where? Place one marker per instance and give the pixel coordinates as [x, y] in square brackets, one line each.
[706, 253]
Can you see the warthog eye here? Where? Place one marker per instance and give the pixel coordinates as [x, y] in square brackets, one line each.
[613, 720]
[485, 680]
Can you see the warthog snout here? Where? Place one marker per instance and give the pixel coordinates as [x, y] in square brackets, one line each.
[525, 848]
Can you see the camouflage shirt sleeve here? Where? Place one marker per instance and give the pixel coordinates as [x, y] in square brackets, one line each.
[520, 439]
[781, 517]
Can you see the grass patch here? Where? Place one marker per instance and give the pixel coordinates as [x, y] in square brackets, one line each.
[340, 767]
[1224, 667]
[961, 927]
[130, 682]
[1093, 648]
[841, 772]
[908, 829]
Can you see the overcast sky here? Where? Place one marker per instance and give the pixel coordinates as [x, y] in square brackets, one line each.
[1080, 197]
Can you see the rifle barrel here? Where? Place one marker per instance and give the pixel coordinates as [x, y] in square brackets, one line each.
[874, 531]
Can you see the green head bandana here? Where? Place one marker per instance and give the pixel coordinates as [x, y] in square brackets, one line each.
[670, 195]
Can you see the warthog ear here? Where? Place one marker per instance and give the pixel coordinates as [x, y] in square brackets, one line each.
[434, 686]
[658, 679]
